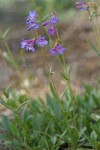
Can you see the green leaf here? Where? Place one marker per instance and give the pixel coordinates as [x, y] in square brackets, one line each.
[52, 88]
[36, 148]
[5, 104]
[54, 139]
[97, 146]
[82, 132]
[35, 120]
[24, 103]
[43, 142]
[73, 137]
[7, 91]
[54, 106]
[6, 32]
[62, 135]
[6, 125]
[68, 72]
[25, 114]
[64, 76]
[93, 136]
[10, 59]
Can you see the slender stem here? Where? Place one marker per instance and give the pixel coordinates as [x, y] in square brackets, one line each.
[10, 54]
[95, 31]
[36, 33]
[59, 60]
[64, 61]
[50, 76]
[59, 40]
[97, 28]
[48, 68]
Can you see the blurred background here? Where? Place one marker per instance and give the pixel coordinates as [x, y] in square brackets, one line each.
[30, 73]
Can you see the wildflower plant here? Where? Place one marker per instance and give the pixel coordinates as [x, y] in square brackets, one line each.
[92, 10]
[61, 121]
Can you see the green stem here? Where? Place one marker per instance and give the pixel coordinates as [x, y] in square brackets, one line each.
[58, 37]
[50, 76]
[10, 55]
[95, 32]
[98, 32]
[59, 40]
[48, 68]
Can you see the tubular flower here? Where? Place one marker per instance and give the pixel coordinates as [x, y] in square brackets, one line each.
[41, 41]
[28, 44]
[85, 5]
[52, 30]
[81, 5]
[53, 20]
[58, 49]
[31, 20]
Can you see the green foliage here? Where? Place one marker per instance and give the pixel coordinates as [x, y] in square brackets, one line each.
[39, 125]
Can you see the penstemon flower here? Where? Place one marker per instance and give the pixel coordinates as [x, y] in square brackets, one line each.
[32, 24]
[41, 41]
[83, 5]
[52, 30]
[58, 49]
[28, 44]
[31, 20]
[52, 22]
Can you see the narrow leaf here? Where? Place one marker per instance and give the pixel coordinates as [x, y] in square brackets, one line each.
[6, 32]
[5, 104]
[24, 103]
[93, 47]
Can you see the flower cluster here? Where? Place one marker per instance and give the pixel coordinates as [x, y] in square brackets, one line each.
[52, 22]
[32, 24]
[85, 5]
[40, 41]
[31, 20]
[29, 44]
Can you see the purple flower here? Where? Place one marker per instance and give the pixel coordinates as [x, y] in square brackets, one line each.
[46, 23]
[31, 20]
[58, 49]
[41, 41]
[81, 5]
[53, 20]
[85, 5]
[33, 26]
[52, 30]
[28, 44]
